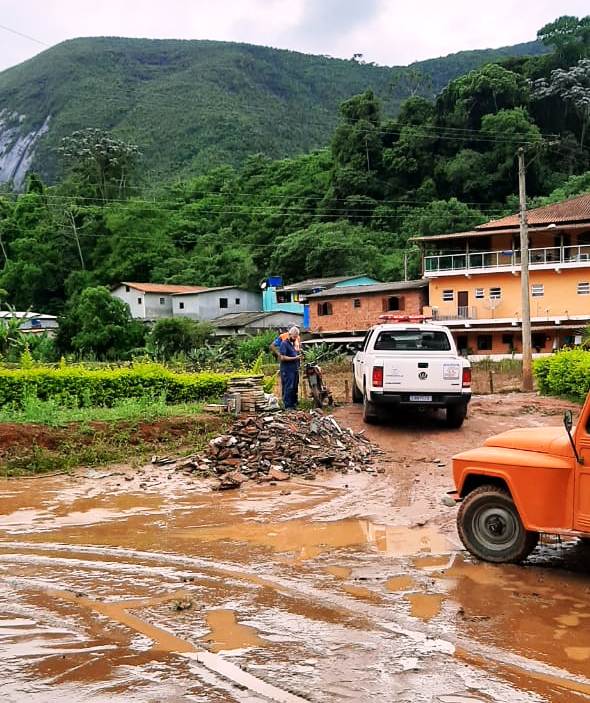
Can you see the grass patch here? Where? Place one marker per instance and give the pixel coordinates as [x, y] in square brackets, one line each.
[53, 414]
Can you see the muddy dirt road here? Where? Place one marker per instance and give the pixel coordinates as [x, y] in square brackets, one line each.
[124, 586]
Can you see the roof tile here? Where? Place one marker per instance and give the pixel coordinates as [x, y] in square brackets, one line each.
[572, 210]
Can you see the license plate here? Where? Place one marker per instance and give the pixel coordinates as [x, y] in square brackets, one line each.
[421, 399]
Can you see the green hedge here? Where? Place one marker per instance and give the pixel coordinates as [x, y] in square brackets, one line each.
[566, 373]
[86, 387]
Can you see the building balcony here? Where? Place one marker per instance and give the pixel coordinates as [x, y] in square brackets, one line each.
[469, 312]
[469, 263]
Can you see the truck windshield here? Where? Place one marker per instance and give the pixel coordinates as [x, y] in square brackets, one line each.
[412, 340]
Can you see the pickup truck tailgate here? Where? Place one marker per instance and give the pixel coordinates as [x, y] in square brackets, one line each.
[440, 374]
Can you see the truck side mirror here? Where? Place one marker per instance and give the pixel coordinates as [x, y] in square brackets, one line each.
[568, 421]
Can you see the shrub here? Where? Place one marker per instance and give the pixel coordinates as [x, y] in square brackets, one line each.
[83, 387]
[178, 335]
[566, 373]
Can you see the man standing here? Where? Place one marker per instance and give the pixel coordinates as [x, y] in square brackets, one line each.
[289, 357]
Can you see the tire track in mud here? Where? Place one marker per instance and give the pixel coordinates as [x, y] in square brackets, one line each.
[377, 618]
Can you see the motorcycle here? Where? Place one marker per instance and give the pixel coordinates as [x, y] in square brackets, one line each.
[320, 393]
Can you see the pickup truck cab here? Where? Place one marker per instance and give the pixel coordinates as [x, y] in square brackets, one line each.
[407, 363]
[522, 483]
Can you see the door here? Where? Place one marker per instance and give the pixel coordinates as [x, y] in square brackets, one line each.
[582, 482]
[462, 304]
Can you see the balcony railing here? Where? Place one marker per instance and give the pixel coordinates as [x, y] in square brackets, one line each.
[490, 260]
[467, 312]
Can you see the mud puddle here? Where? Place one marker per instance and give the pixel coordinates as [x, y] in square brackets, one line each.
[346, 590]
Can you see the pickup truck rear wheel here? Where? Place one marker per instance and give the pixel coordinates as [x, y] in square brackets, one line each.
[370, 415]
[491, 529]
[456, 414]
[357, 396]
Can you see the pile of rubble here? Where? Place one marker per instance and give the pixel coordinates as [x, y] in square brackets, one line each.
[276, 446]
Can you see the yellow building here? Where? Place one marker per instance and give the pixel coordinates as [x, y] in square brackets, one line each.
[474, 280]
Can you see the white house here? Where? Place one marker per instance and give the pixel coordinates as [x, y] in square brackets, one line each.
[211, 303]
[251, 323]
[32, 322]
[151, 301]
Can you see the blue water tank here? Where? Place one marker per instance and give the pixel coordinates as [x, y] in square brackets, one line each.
[275, 281]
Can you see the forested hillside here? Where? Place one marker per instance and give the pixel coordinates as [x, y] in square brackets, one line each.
[191, 105]
[440, 165]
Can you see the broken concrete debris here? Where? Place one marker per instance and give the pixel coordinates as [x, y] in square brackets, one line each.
[277, 446]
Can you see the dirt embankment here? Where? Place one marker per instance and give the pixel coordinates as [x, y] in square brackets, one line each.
[29, 449]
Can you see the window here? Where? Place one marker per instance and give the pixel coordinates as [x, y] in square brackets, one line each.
[283, 297]
[584, 288]
[237, 301]
[508, 339]
[479, 293]
[393, 303]
[484, 342]
[447, 295]
[139, 301]
[495, 294]
[356, 303]
[324, 309]
[181, 305]
[162, 301]
[412, 340]
[127, 289]
[222, 302]
[538, 340]
[537, 290]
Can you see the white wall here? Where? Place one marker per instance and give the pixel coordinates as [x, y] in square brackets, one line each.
[207, 305]
[131, 297]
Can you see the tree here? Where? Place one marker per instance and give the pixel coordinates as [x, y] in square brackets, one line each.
[101, 162]
[410, 81]
[569, 35]
[481, 92]
[357, 150]
[572, 86]
[178, 335]
[98, 325]
[326, 249]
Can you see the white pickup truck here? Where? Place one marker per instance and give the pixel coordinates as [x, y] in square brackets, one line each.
[411, 365]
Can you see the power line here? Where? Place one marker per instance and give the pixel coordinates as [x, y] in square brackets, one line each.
[25, 36]
[245, 210]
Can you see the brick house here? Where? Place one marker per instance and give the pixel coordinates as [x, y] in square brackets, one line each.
[356, 308]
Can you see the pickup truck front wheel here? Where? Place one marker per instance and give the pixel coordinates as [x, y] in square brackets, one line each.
[491, 529]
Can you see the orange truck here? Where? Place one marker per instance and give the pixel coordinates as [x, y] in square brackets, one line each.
[522, 483]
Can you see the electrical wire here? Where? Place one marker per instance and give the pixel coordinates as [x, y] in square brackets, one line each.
[25, 36]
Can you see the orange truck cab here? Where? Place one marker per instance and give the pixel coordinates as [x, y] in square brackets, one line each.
[521, 483]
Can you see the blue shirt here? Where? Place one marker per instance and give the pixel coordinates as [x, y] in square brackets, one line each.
[287, 349]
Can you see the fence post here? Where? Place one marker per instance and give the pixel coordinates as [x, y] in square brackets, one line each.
[346, 391]
[491, 382]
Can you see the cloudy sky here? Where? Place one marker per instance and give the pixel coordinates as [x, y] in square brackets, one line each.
[389, 32]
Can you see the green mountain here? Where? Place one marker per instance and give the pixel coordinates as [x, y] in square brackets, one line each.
[190, 105]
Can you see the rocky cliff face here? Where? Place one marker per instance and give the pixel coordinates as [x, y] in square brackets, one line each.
[17, 147]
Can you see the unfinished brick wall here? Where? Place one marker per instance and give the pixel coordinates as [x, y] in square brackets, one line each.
[346, 317]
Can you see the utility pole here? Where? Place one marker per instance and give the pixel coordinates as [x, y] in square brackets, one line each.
[527, 358]
[405, 265]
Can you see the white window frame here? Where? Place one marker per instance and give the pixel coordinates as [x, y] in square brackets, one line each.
[537, 290]
[162, 301]
[583, 288]
[494, 295]
[479, 293]
[448, 296]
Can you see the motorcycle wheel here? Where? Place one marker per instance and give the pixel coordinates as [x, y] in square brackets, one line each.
[317, 397]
